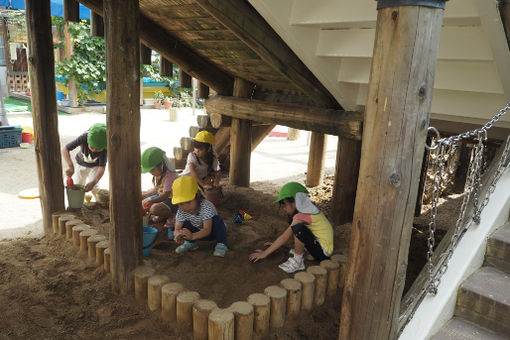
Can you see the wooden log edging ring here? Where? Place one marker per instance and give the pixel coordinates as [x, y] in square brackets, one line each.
[293, 288]
[77, 229]
[184, 305]
[106, 261]
[169, 293]
[91, 245]
[100, 248]
[201, 310]
[333, 269]
[62, 224]
[307, 291]
[154, 285]
[261, 307]
[69, 228]
[221, 325]
[84, 235]
[342, 261]
[278, 297]
[141, 277]
[321, 276]
[54, 219]
[243, 320]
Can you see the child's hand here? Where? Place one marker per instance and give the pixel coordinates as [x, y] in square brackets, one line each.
[70, 171]
[178, 237]
[89, 186]
[257, 255]
[187, 234]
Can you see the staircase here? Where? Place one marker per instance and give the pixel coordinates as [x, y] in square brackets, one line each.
[335, 38]
[482, 310]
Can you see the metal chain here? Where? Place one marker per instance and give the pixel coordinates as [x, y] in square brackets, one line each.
[472, 188]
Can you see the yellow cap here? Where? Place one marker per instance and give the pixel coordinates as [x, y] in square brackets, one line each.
[184, 189]
[205, 137]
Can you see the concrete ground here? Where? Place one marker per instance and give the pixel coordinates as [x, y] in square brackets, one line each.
[276, 160]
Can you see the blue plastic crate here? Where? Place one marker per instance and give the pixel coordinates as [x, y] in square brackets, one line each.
[10, 137]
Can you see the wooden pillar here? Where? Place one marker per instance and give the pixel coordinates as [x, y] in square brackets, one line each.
[504, 9]
[394, 132]
[123, 121]
[166, 68]
[96, 25]
[145, 55]
[348, 155]
[203, 90]
[184, 79]
[71, 10]
[240, 140]
[41, 70]
[316, 159]
[72, 91]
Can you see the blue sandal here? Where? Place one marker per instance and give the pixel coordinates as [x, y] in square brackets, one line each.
[220, 250]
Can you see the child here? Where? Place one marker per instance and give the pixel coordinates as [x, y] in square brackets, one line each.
[309, 226]
[90, 160]
[196, 218]
[202, 164]
[158, 200]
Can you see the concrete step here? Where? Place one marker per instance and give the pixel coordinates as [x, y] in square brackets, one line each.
[484, 299]
[459, 329]
[498, 249]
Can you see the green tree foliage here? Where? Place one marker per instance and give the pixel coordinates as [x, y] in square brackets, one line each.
[87, 65]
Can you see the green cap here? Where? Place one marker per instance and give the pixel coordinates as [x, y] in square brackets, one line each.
[151, 157]
[97, 136]
[290, 190]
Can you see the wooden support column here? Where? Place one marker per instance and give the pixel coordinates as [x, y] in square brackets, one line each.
[240, 140]
[348, 155]
[41, 70]
[316, 159]
[166, 68]
[504, 10]
[72, 91]
[395, 128]
[71, 10]
[203, 90]
[184, 79]
[123, 121]
[145, 55]
[96, 25]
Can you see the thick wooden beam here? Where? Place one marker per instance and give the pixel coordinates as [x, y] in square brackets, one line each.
[184, 79]
[316, 159]
[247, 24]
[145, 55]
[166, 68]
[158, 39]
[396, 121]
[328, 121]
[71, 10]
[504, 10]
[348, 155]
[240, 140]
[203, 90]
[123, 121]
[41, 70]
[96, 25]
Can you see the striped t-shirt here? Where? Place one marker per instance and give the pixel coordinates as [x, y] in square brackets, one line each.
[206, 211]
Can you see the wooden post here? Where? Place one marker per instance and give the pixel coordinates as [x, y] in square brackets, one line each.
[308, 282]
[96, 25]
[201, 310]
[184, 305]
[54, 219]
[321, 282]
[77, 229]
[342, 261]
[203, 90]
[41, 69]
[91, 245]
[142, 275]
[154, 285]
[261, 306]
[62, 220]
[293, 288]
[221, 325]
[348, 154]
[278, 297]
[395, 127]
[71, 9]
[169, 294]
[123, 121]
[69, 228]
[243, 320]
[100, 248]
[184, 79]
[316, 158]
[333, 269]
[145, 55]
[166, 68]
[240, 140]
[107, 260]
[84, 236]
[72, 91]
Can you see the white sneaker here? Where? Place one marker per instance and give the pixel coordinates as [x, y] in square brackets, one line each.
[292, 265]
